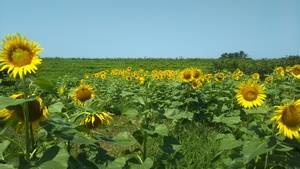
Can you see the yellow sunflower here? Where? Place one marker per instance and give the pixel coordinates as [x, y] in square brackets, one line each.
[219, 76]
[237, 74]
[269, 79]
[83, 93]
[196, 73]
[186, 75]
[37, 111]
[287, 118]
[250, 94]
[19, 56]
[196, 83]
[295, 71]
[255, 76]
[95, 120]
[279, 71]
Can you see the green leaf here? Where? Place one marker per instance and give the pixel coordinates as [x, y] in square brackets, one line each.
[229, 142]
[56, 107]
[6, 166]
[6, 102]
[259, 110]
[118, 163]
[44, 84]
[256, 147]
[124, 138]
[147, 164]
[131, 112]
[3, 146]
[175, 114]
[54, 157]
[162, 130]
[229, 121]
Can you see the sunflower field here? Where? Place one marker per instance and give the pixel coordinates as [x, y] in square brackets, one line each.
[134, 118]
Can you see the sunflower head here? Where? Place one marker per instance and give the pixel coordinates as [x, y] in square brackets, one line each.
[36, 109]
[219, 76]
[196, 83]
[250, 94]
[141, 81]
[269, 79]
[287, 118]
[279, 71]
[237, 74]
[255, 76]
[95, 120]
[19, 56]
[186, 75]
[295, 71]
[83, 93]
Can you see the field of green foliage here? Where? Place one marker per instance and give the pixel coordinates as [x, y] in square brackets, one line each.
[146, 113]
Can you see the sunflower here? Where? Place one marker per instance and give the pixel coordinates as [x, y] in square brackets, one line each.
[95, 120]
[83, 93]
[269, 79]
[255, 76]
[196, 83]
[295, 71]
[219, 76]
[141, 81]
[279, 71]
[37, 111]
[186, 75]
[250, 94]
[196, 73]
[237, 74]
[19, 55]
[287, 118]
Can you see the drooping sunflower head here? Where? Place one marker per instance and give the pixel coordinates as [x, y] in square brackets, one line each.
[83, 93]
[36, 109]
[279, 71]
[95, 120]
[287, 118]
[250, 94]
[295, 71]
[19, 56]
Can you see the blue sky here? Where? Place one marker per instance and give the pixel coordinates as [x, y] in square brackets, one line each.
[156, 28]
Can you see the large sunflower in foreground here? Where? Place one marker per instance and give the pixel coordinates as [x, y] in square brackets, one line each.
[37, 111]
[250, 94]
[19, 56]
[97, 119]
[83, 93]
[287, 118]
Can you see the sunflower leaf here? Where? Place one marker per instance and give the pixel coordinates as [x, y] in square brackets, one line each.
[6, 101]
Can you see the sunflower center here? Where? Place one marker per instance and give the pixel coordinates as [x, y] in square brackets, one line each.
[20, 57]
[196, 74]
[250, 94]
[83, 94]
[296, 71]
[187, 75]
[34, 108]
[291, 116]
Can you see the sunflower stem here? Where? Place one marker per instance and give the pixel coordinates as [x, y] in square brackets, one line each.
[27, 130]
[266, 161]
[145, 146]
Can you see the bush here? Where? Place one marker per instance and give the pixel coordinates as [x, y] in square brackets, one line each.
[262, 66]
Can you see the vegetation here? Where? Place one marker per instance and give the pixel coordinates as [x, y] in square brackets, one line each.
[141, 116]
